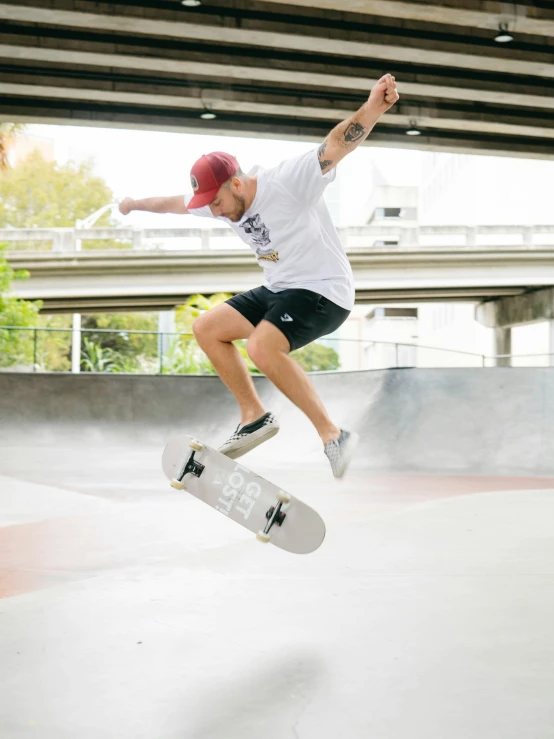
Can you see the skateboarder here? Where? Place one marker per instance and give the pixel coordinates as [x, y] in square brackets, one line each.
[309, 288]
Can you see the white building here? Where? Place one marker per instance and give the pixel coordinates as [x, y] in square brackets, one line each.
[455, 189]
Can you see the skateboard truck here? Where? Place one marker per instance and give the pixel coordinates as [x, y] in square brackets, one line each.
[279, 516]
[274, 516]
[192, 466]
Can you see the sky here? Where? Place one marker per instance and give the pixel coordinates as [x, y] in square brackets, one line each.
[141, 164]
[481, 189]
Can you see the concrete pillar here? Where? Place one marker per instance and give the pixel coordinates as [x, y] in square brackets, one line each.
[76, 343]
[528, 232]
[137, 238]
[166, 327]
[471, 236]
[205, 240]
[503, 345]
[408, 236]
[63, 239]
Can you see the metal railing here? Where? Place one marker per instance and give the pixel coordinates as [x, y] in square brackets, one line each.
[37, 349]
[382, 235]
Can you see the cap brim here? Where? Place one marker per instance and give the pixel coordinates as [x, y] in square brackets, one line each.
[202, 198]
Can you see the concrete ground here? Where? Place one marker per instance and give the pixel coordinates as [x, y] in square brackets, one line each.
[129, 610]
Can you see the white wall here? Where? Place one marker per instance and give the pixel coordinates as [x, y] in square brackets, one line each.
[452, 326]
[479, 190]
[441, 325]
[531, 339]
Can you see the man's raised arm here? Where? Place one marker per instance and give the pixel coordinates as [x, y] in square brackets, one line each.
[171, 204]
[349, 134]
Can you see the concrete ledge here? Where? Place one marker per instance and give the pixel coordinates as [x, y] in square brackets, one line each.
[481, 421]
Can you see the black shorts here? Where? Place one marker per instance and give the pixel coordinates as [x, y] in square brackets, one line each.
[301, 315]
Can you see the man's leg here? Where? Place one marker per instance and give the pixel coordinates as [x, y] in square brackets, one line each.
[269, 350]
[214, 331]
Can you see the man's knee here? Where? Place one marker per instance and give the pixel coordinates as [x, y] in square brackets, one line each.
[256, 349]
[202, 328]
[222, 323]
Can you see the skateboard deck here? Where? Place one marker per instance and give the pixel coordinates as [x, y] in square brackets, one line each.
[239, 494]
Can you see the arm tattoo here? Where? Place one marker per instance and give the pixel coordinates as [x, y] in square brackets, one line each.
[354, 132]
[323, 163]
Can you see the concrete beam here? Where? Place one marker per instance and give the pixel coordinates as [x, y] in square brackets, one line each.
[260, 108]
[219, 104]
[157, 300]
[512, 147]
[481, 14]
[382, 47]
[528, 307]
[264, 73]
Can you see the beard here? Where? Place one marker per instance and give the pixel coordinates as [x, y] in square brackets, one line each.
[240, 208]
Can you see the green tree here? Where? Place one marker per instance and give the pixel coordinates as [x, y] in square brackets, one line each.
[42, 194]
[317, 358]
[129, 352]
[16, 347]
[186, 313]
[54, 347]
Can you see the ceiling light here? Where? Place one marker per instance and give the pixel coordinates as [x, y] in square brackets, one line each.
[191, 3]
[413, 130]
[208, 115]
[503, 36]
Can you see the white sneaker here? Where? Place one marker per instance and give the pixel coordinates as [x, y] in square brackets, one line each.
[340, 451]
[250, 435]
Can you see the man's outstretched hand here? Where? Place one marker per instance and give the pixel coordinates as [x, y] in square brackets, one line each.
[384, 94]
[126, 206]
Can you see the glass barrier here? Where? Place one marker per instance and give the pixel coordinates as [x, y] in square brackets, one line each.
[24, 349]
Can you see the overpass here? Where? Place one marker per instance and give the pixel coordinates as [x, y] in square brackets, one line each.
[287, 68]
[151, 274]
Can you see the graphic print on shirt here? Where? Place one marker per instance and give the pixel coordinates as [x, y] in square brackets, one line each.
[260, 238]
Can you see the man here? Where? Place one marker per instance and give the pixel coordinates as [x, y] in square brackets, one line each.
[280, 213]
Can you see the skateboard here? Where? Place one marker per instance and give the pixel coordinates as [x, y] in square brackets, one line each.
[239, 494]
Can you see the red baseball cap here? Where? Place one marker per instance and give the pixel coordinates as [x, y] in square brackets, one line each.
[208, 174]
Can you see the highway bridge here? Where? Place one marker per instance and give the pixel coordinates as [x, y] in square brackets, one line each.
[159, 268]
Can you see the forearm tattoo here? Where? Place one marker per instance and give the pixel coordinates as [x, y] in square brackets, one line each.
[354, 132]
[323, 163]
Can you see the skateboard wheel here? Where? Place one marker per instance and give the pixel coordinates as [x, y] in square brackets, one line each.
[283, 497]
[264, 538]
[177, 484]
[196, 445]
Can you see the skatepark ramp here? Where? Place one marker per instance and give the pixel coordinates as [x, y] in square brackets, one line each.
[478, 421]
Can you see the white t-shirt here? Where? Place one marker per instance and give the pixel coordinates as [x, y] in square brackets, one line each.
[290, 230]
